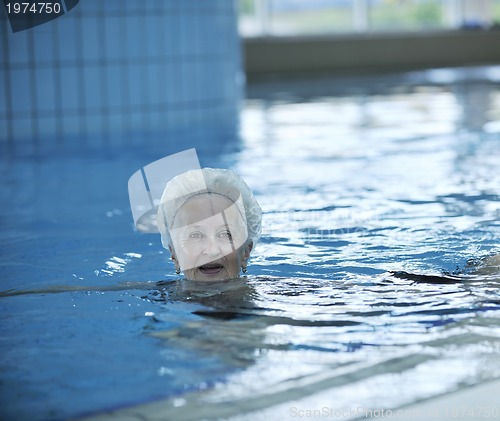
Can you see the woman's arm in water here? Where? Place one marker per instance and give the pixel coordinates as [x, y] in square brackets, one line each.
[489, 265]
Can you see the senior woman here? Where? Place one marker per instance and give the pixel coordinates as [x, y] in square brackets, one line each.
[210, 221]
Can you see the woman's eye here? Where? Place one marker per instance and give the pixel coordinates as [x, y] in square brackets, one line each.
[225, 234]
[196, 235]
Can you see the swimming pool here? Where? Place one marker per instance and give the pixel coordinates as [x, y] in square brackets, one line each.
[356, 177]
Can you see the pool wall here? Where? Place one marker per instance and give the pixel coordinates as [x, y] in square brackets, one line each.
[268, 57]
[121, 73]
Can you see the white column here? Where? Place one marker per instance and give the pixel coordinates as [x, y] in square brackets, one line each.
[455, 13]
[360, 15]
[263, 15]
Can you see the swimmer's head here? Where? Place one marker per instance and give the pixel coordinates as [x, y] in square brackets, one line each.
[210, 221]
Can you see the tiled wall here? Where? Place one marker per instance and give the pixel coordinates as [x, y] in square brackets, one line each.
[121, 72]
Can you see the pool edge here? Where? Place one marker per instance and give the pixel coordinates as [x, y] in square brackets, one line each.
[456, 404]
[468, 403]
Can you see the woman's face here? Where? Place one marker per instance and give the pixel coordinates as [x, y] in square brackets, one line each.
[210, 241]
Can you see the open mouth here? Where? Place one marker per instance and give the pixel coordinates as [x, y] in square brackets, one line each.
[211, 268]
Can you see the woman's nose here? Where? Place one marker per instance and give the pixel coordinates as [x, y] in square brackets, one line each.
[212, 248]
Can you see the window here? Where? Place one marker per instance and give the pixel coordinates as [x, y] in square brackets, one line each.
[313, 17]
[406, 15]
[496, 12]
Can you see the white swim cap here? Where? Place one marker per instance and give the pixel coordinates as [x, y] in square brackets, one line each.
[208, 180]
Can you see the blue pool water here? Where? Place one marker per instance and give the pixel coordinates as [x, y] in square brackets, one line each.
[356, 176]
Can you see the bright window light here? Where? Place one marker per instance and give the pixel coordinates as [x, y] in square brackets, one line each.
[407, 15]
[316, 17]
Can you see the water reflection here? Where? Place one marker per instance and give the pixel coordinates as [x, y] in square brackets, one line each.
[356, 180]
[402, 169]
[478, 105]
[295, 338]
[259, 342]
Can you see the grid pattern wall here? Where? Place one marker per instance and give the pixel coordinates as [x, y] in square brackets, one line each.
[120, 70]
